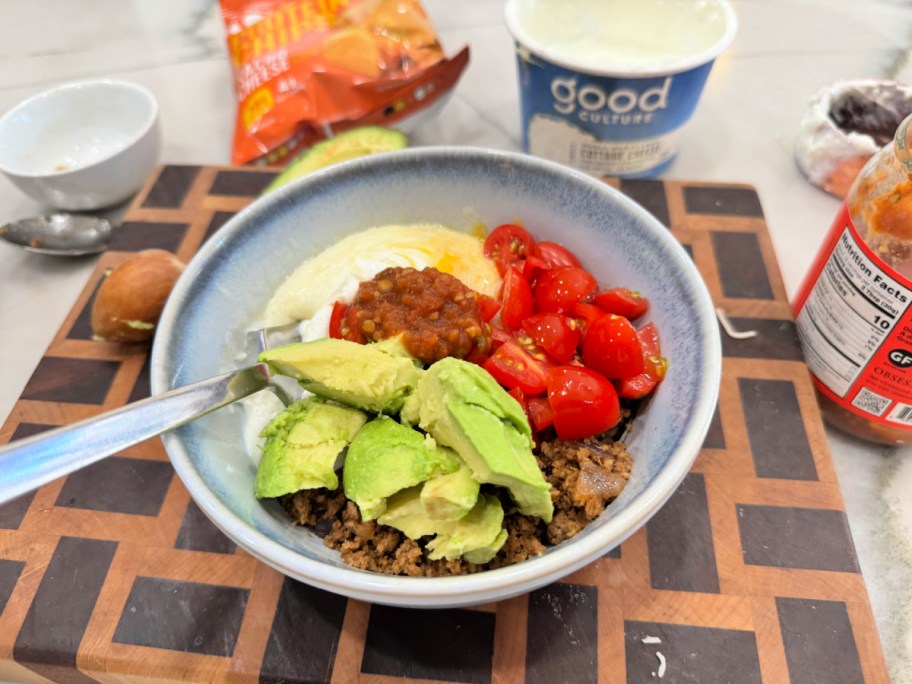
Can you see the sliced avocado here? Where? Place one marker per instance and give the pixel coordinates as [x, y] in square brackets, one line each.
[485, 553]
[386, 457]
[450, 496]
[477, 536]
[366, 376]
[353, 143]
[464, 408]
[411, 410]
[405, 512]
[303, 443]
[394, 347]
[478, 533]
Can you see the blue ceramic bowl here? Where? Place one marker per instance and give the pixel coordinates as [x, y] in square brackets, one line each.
[224, 288]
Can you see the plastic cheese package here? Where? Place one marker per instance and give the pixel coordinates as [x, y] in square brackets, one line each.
[305, 70]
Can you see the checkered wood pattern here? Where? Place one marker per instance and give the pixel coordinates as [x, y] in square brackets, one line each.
[748, 574]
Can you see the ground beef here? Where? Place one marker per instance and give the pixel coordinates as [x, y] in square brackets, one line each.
[585, 476]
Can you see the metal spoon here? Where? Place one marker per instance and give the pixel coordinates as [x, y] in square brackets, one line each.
[34, 461]
[29, 463]
[59, 234]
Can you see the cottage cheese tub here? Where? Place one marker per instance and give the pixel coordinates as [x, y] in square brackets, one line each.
[606, 86]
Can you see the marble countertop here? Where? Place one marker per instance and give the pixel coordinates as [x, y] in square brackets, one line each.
[743, 131]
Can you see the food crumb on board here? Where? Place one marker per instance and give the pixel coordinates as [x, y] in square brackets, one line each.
[730, 329]
[651, 640]
[661, 671]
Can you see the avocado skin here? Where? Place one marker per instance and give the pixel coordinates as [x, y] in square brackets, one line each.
[350, 144]
[386, 457]
[374, 377]
[464, 408]
[303, 443]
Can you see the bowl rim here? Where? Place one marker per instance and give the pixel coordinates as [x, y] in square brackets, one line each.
[103, 82]
[490, 584]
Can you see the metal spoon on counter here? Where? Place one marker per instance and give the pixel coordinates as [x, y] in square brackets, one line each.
[59, 234]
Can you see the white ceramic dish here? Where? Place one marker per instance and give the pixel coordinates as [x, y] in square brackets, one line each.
[83, 145]
[201, 333]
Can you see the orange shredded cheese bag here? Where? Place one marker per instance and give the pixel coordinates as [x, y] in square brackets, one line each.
[305, 70]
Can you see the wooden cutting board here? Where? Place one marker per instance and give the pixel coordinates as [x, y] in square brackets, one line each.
[748, 574]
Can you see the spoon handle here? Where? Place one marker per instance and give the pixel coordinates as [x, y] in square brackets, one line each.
[34, 461]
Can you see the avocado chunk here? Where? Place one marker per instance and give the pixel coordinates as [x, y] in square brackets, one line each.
[464, 408]
[303, 443]
[450, 496]
[405, 512]
[484, 554]
[374, 377]
[477, 536]
[386, 457]
[410, 414]
[353, 143]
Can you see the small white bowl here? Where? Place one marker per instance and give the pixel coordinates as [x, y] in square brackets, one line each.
[82, 145]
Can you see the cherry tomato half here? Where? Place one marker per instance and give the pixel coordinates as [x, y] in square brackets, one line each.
[512, 366]
[534, 267]
[584, 403]
[555, 255]
[508, 243]
[487, 307]
[612, 348]
[516, 298]
[585, 315]
[498, 337]
[560, 288]
[517, 394]
[335, 320]
[649, 340]
[554, 334]
[540, 413]
[350, 324]
[655, 366]
[622, 302]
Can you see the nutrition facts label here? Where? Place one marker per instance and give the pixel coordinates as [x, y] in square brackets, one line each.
[851, 310]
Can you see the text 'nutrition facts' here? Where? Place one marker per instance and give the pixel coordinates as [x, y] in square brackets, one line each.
[851, 310]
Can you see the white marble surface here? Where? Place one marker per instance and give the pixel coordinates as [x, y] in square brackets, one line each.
[743, 131]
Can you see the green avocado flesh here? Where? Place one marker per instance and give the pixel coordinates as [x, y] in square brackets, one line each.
[373, 377]
[459, 429]
[356, 142]
[386, 457]
[477, 536]
[464, 408]
[303, 443]
[450, 496]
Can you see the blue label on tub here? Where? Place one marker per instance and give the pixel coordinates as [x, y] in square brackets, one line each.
[605, 125]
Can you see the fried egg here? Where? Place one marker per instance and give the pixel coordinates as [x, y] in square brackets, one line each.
[333, 275]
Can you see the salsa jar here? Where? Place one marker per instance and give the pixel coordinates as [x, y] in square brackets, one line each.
[854, 309]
